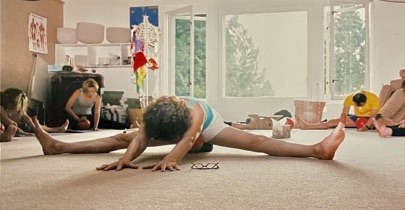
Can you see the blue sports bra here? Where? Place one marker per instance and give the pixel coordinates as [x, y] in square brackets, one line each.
[208, 114]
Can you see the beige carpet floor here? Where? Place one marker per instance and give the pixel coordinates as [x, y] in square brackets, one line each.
[368, 173]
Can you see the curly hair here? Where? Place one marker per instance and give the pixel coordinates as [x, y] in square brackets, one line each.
[167, 118]
[14, 100]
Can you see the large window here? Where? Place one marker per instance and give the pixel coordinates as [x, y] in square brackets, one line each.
[266, 54]
[276, 54]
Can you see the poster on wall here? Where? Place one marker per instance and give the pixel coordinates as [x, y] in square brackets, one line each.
[37, 35]
[137, 14]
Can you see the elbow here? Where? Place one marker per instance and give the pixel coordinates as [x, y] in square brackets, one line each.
[191, 143]
[68, 107]
[188, 142]
[196, 145]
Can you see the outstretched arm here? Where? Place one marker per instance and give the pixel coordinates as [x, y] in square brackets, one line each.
[343, 115]
[28, 120]
[373, 114]
[97, 110]
[70, 103]
[135, 149]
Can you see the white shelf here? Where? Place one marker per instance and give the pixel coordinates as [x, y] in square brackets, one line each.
[93, 55]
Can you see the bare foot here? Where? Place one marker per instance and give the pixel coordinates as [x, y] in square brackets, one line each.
[327, 148]
[8, 134]
[48, 143]
[383, 131]
[63, 127]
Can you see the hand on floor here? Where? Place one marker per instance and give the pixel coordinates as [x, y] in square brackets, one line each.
[118, 165]
[163, 165]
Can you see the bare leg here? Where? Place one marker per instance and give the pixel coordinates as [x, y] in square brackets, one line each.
[387, 122]
[385, 94]
[333, 123]
[9, 133]
[383, 131]
[60, 129]
[322, 125]
[52, 146]
[325, 149]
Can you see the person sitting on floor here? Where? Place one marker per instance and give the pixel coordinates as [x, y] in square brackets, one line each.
[80, 104]
[365, 104]
[187, 123]
[14, 103]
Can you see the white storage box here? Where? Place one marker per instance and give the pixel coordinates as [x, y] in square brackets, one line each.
[90, 33]
[66, 35]
[118, 35]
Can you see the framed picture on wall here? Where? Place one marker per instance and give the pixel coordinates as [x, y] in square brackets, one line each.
[37, 35]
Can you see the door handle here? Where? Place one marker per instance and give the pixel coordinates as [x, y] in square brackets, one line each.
[335, 80]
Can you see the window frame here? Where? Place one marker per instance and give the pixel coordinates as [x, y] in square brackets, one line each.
[171, 62]
[330, 65]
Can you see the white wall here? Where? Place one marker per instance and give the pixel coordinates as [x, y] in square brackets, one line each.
[388, 42]
[108, 13]
[387, 46]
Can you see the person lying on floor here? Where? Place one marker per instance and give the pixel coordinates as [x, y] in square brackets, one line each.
[14, 103]
[365, 105]
[181, 121]
[386, 131]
